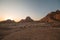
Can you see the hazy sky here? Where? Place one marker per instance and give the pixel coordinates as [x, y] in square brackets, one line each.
[20, 9]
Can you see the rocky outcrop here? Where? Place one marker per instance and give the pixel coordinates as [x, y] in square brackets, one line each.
[52, 17]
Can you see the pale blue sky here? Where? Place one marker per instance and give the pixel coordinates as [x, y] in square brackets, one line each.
[20, 9]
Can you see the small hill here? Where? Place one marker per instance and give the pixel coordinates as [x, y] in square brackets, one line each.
[52, 17]
[28, 19]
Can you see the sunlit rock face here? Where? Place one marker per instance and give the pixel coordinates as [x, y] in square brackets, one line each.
[52, 17]
[57, 16]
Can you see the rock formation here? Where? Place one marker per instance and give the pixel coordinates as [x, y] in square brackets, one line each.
[52, 17]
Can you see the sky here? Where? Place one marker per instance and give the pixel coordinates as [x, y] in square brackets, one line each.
[20, 9]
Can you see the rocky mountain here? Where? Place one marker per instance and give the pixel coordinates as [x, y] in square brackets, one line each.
[52, 17]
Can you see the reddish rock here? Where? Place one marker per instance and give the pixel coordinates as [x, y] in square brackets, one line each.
[52, 17]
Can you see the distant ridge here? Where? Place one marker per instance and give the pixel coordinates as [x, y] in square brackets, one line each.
[8, 21]
[52, 17]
